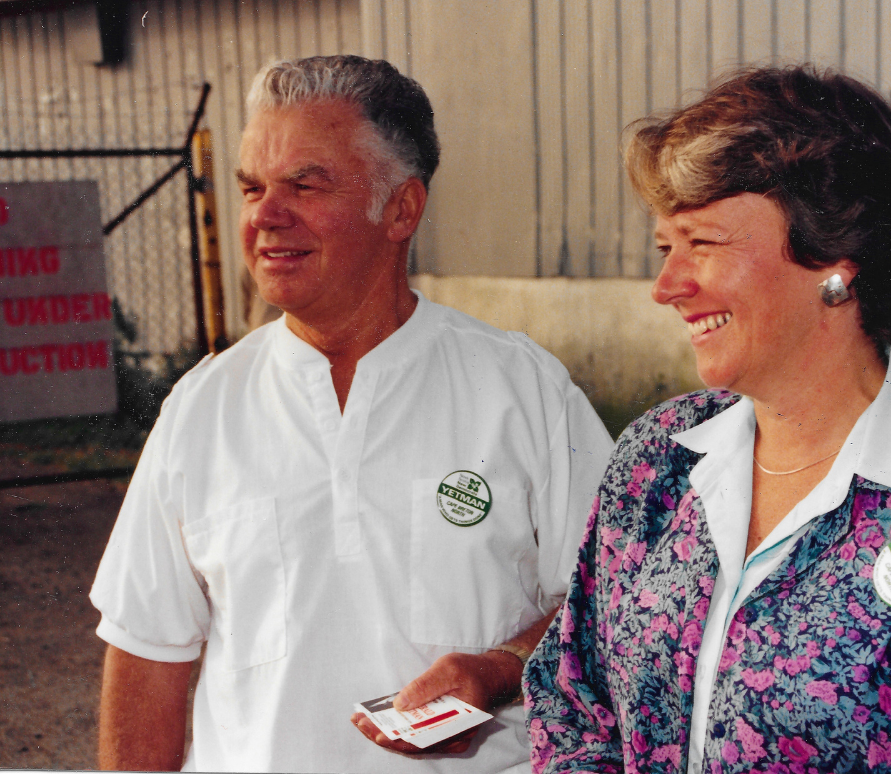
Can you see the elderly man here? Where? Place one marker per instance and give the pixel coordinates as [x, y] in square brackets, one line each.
[301, 510]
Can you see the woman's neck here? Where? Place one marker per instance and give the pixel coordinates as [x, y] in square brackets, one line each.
[799, 435]
[812, 413]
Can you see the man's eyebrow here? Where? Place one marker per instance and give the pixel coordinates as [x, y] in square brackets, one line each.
[310, 170]
[243, 177]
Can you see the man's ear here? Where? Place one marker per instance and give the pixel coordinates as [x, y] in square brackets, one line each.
[403, 212]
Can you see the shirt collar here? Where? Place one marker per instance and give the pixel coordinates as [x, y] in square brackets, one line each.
[292, 351]
[407, 340]
[723, 434]
[723, 479]
[411, 336]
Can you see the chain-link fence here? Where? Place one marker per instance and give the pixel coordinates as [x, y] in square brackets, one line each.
[147, 204]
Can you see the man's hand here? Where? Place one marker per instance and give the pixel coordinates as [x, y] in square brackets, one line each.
[483, 680]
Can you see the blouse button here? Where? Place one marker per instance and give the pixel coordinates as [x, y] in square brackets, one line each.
[719, 730]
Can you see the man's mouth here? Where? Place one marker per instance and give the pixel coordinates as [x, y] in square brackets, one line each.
[278, 254]
[709, 323]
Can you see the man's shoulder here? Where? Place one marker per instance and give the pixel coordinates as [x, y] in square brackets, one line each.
[481, 338]
[215, 369]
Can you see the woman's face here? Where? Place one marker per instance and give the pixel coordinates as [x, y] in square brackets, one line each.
[752, 313]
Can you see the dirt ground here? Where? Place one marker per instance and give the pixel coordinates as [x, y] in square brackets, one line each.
[51, 540]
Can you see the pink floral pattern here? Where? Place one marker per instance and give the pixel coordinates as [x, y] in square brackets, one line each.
[804, 681]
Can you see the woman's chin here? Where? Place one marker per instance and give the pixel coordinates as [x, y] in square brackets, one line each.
[714, 378]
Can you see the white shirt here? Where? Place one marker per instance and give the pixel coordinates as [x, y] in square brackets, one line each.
[723, 480]
[309, 551]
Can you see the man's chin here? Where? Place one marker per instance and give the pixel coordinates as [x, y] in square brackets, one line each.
[284, 298]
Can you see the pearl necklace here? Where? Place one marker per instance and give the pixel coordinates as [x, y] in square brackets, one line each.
[797, 470]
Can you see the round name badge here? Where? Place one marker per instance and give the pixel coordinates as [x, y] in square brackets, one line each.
[464, 498]
[881, 574]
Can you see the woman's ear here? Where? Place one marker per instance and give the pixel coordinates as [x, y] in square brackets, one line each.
[846, 269]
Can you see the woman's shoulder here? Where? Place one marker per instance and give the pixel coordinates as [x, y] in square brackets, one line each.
[678, 414]
[646, 455]
[648, 438]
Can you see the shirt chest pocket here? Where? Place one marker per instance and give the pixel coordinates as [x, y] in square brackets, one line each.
[238, 553]
[472, 586]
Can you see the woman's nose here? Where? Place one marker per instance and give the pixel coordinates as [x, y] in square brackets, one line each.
[676, 280]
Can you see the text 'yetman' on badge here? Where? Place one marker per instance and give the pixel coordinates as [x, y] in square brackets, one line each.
[464, 498]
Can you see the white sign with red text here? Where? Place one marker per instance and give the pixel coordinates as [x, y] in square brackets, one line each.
[56, 328]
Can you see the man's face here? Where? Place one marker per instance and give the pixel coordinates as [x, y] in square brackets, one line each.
[304, 224]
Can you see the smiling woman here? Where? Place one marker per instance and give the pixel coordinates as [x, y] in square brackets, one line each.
[726, 266]
[735, 568]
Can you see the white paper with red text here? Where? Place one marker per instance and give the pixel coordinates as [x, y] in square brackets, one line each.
[425, 725]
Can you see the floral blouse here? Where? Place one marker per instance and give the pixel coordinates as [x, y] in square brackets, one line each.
[804, 681]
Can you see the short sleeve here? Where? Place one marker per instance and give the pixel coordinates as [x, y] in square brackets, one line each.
[151, 600]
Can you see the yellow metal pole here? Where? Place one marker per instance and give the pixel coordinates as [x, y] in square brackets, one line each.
[209, 245]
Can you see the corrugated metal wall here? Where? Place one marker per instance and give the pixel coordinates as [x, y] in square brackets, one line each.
[600, 65]
[590, 67]
[531, 96]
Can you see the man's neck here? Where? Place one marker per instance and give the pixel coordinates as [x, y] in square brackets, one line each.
[344, 341]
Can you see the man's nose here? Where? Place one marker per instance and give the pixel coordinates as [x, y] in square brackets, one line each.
[271, 213]
[676, 280]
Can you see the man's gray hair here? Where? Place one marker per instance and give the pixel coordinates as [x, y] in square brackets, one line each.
[402, 140]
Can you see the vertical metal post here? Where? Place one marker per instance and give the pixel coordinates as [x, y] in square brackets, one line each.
[202, 155]
[200, 320]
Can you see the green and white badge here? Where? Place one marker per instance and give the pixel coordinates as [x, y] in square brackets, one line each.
[881, 574]
[464, 498]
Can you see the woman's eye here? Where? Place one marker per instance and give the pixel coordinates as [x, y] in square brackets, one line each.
[708, 242]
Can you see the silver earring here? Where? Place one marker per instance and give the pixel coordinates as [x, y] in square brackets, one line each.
[833, 291]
